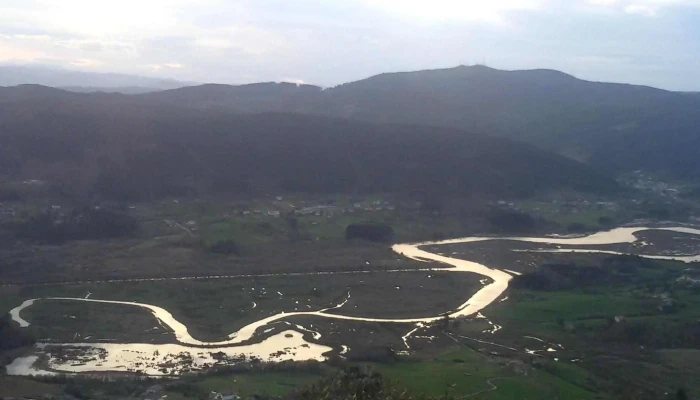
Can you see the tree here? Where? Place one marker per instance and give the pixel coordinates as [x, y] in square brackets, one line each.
[370, 231]
[605, 221]
[681, 394]
[11, 336]
[659, 213]
[84, 223]
[355, 384]
[512, 221]
[576, 227]
[432, 204]
[561, 322]
[226, 247]
[445, 322]
[293, 223]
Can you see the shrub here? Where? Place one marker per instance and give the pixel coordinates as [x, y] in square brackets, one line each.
[605, 221]
[576, 227]
[368, 231]
[226, 247]
[11, 336]
[355, 384]
[512, 221]
[79, 224]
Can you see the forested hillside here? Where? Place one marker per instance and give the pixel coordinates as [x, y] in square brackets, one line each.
[115, 146]
[615, 126]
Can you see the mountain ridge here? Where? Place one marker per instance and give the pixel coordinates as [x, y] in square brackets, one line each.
[121, 147]
[617, 127]
[553, 110]
[13, 75]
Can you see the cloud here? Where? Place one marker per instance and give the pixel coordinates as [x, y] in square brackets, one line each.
[606, 3]
[170, 65]
[330, 42]
[86, 63]
[42, 38]
[12, 53]
[293, 80]
[100, 18]
[469, 10]
[640, 9]
[647, 8]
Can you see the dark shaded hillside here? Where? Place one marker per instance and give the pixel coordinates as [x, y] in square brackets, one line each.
[614, 126]
[663, 138]
[11, 75]
[112, 146]
[119, 89]
[253, 98]
[489, 100]
[33, 93]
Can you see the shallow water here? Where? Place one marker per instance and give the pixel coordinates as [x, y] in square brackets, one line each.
[25, 366]
[14, 313]
[192, 354]
[682, 258]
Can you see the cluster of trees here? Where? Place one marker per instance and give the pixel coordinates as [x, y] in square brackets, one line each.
[356, 383]
[11, 336]
[614, 126]
[226, 247]
[657, 334]
[56, 226]
[613, 270]
[373, 232]
[9, 193]
[350, 383]
[508, 221]
[116, 148]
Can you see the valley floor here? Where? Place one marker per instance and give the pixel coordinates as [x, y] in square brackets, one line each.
[571, 339]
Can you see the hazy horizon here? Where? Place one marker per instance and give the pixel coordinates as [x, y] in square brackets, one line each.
[646, 42]
[147, 81]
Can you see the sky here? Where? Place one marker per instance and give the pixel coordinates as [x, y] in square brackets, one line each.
[329, 42]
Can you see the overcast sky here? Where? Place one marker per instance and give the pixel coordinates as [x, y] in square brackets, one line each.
[327, 42]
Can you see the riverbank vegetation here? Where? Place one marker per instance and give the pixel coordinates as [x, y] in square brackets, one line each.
[45, 240]
[564, 327]
[213, 308]
[567, 299]
[452, 375]
[630, 323]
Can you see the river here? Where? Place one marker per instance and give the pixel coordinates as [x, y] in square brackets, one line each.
[245, 344]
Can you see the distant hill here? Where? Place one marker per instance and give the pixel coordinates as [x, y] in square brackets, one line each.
[121, 89]
[33, 93]
[124, 147]
[615, 126]
[82, 81]
[252, 98]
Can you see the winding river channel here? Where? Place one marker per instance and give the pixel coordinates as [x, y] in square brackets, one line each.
[297, 342]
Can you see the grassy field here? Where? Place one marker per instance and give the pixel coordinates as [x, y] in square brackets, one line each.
[19, 387]
[179, 256]
[463, 372]
[579, 320]
[457, 372]
[214, 308]
[538, 307]
[597, 358]
[643, 354]
[71, 321]
[248, 221]
[262, 383]
[177, 237]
